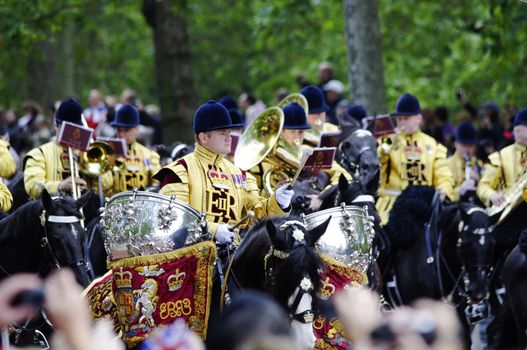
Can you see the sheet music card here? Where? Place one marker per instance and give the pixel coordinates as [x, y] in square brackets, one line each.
[75, 136]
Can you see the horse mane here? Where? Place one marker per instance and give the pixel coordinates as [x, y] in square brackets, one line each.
[19, 221]
[410, 212]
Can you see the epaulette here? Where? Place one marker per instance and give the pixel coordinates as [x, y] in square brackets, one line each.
[441, 151]
[495, 159]
[176, 172]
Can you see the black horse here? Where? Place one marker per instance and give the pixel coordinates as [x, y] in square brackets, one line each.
[357, 152]
[439, 252]
[512, 321]
[43, 235]
[278, 257]
[38, 237]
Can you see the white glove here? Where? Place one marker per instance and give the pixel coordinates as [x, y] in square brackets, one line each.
[224, 235]
[283, 196]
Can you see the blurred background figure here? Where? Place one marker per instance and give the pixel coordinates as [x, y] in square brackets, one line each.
[446, 129]
[150, 129]
[324, 73]
[250, 106]
[281, 93]
[251, 318]
[95, 113]
[334, 95]
[428, 325]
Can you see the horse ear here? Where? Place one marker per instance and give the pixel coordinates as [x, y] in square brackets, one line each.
[271, 230]
[84, 199]
[343, 183]
[47, 202]
[317, 232]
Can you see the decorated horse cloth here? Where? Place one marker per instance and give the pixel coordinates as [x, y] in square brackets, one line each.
[141, 293]
[334, 277]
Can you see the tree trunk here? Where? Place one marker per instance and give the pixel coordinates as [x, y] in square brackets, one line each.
[364, 43]
[173, 66]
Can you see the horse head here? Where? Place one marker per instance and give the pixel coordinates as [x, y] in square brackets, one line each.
[475, 248]
[358, 154]
[173, 152]
[292, 273]
[64, 240]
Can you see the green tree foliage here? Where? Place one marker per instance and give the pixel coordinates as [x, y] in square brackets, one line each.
[430, 48]
[111, 48]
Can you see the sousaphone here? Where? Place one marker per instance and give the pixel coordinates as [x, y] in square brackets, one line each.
[295, 97]
[260, 141]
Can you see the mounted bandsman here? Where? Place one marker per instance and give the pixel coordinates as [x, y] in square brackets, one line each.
[140, 163]
[48, 166]
[210, 183]
[410, 157]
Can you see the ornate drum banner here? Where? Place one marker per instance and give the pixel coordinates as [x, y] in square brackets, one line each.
[336, 276]
[154, 290]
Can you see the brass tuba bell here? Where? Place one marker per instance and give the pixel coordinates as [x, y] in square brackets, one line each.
[98, 159]
[260, 141]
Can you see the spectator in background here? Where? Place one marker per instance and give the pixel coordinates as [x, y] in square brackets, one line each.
[111, 102]
[281, 93]
[151, 132]
[250, 106]
[428, 324]
[237, 325]
[27, 124]
[430, 124]
[95, 114]
[447, 129]
[333, 93]
[324, 73]
[490, 132]
[11, 129]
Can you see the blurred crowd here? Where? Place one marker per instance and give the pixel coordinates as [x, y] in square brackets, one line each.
[30, 125]
[252, 321]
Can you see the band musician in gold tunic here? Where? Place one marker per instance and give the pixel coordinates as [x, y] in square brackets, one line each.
[210, 183]
[48, 166]
[140, 163]
[505, 174]
[316, 115]
[284, 160]
[465, 166]
[7, 162]
[410, 157]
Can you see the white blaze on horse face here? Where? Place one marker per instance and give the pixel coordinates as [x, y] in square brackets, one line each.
[303, 332]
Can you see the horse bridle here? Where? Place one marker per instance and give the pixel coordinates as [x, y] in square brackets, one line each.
[46, 244]
[305, 286]
[483, 233]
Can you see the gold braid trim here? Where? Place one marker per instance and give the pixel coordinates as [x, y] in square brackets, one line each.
[197, 249]
[351, 272]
